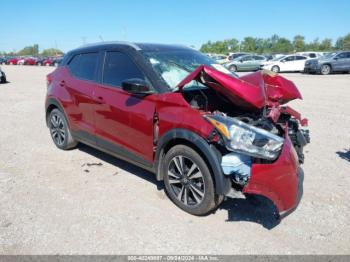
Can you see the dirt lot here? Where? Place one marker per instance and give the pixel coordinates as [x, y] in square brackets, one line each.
[85, 202]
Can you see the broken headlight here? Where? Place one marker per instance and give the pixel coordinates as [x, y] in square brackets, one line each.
[246, 139]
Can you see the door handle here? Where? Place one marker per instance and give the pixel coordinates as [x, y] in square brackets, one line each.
[100, 100]
[63, 83]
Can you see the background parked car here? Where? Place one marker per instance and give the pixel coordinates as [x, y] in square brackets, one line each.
[332, 62]
[246, 63]
[30, 61]
[12, 61]
[40, 61]
[220, 59]
[233, 56]
[288, 63]
[56, 61]
[47, 61]
[3, 60]
[52, 61]
[311, 54]
[21, 61]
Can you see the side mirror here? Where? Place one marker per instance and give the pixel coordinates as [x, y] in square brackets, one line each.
[136, 86]
[336, 58]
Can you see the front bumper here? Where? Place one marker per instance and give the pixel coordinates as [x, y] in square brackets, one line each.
[311, 68]
[277, 181]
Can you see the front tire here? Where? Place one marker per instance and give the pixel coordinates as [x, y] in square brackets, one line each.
[326, 69]
[188, 181]
[59, 130]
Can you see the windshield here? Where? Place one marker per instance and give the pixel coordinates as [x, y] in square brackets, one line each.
[278, 58]
[329, 55]
[174, 65]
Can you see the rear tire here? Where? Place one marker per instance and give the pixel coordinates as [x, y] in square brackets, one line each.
[59, 130]
[275, 69]
[188, 181]
[326, 69]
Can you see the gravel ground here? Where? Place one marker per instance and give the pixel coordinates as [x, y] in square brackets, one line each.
[85, 202]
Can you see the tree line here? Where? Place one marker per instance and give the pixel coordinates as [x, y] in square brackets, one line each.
[275, 44]
[34, 51]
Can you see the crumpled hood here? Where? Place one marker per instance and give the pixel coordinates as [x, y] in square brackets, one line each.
[252, 91]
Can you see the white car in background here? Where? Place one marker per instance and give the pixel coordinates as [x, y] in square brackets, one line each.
[311, 54]
[220, 59]
[288, 63]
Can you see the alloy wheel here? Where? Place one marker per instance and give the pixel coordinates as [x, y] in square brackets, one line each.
[57, 128]
[325, 70]
[186, 181]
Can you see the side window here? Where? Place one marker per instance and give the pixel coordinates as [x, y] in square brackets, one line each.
[298, 57]
[342, 55]
[312, 55]
[289, 59]
[259, 57]
[84, 65]
[246, 58]
[119, 67]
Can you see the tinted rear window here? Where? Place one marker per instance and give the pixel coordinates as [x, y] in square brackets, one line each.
[84, 66]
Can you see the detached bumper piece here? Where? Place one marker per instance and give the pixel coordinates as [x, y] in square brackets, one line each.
[277, 181]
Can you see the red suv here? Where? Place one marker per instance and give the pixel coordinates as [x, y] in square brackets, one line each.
[207, 133]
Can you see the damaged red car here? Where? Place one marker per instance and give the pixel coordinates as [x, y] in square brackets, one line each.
[204, 131]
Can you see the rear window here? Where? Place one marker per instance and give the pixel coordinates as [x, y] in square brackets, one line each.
[84, 66]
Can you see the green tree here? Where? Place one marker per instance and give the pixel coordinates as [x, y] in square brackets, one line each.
[51, 52]
[326, 45]
[275, 44]
[36, 50]
[299, 43]
[220, 47]
[249, 44]
[282, 45]
[346, 42]
[314, 45]
[28, 50]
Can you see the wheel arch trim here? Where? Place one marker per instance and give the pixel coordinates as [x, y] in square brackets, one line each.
[53, 102]
[222, 183]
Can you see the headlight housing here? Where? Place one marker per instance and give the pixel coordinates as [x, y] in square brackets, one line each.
[246, 139]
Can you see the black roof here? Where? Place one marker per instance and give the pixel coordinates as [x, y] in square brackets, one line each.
[136, 46]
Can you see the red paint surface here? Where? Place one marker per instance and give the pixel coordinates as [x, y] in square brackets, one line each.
[277, 181]
[127, 120]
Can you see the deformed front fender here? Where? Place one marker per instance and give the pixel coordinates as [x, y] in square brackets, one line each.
[222, 183]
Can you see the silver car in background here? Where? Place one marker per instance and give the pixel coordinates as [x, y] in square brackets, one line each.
[332, 62]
